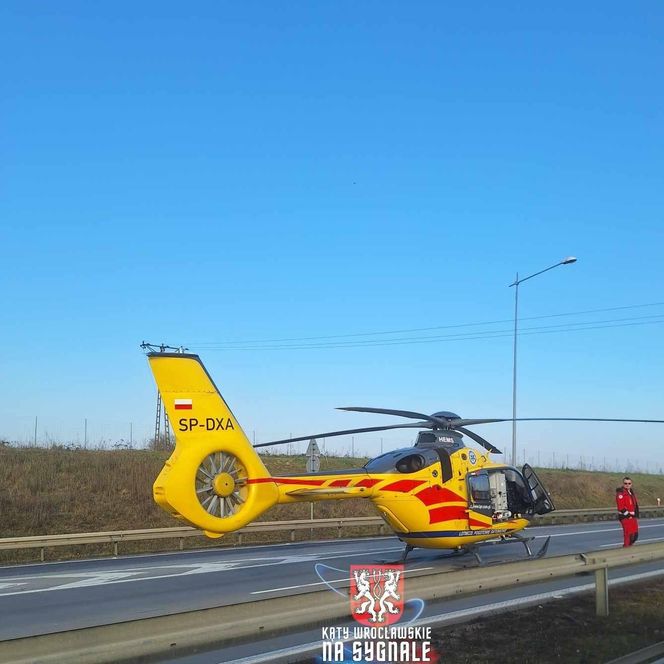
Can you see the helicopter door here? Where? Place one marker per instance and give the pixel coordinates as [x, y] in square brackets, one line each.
[480, 507]
[542, 499]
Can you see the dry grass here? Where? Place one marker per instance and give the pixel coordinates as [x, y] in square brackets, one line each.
[577, 489]
[57, 490]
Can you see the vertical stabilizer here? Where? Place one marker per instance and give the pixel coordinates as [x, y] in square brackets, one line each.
[214, 479]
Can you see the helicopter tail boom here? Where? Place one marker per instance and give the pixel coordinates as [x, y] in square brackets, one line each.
[214, 479]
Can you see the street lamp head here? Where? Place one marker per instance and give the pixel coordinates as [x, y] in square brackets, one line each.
[568, 260]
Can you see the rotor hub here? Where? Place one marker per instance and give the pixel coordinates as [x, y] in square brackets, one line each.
[223, 485]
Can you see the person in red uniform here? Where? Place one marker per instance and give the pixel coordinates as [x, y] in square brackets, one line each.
[628, 511]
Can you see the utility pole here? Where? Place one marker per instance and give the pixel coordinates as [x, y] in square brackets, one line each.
[161, 348]
[167, 428]
[157, 421]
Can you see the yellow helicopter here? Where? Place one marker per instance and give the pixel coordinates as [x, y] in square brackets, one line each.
[437, 494]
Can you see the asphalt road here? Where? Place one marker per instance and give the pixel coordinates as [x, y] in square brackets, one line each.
[51, 597]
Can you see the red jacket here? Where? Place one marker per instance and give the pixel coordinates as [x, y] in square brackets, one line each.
[628, 506]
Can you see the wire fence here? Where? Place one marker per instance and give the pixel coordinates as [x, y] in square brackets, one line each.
[86, 433]
[108, 435]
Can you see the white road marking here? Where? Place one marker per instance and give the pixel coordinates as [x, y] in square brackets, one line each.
[197, 568]
[596, 530]
[641, 541]
[143, 556]
[324, 583]
[110, 577]
[128, 575]
[222, 550]
[11, 585]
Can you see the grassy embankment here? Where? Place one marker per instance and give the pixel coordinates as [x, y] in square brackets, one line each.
[51, 491]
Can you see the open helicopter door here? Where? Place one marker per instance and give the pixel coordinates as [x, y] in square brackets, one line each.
[480, 506]
[543, 503]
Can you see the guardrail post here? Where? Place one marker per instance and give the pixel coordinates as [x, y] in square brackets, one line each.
[292, 535]
[41, 554]
[182, 544]
[239, 539]
[602, 591]
[382, 528]
[115, 549]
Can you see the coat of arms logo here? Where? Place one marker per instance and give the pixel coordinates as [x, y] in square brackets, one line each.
[376, 594]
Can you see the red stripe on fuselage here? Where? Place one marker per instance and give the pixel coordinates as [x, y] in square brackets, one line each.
[447, 513]
[340, 483]
[403, 486]
[437, 494]
[480, 524]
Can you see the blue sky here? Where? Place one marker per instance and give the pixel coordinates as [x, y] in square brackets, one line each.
[245, 171]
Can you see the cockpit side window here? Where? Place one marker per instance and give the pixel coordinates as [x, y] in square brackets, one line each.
[480, 491]
[411, 463]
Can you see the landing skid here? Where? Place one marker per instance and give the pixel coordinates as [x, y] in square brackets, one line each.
[510, 539]
[474, 548]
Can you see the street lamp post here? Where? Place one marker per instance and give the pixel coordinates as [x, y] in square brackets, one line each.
[517, 281]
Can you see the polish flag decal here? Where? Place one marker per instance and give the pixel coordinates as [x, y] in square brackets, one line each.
[183, 404]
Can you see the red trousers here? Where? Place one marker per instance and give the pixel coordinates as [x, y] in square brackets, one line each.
[630, 530]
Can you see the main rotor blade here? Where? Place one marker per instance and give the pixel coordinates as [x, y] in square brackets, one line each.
[478, 439]
[330, 434]
[454, 424]
[399, 413]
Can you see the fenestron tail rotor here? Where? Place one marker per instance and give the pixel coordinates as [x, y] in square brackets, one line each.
[221, 484]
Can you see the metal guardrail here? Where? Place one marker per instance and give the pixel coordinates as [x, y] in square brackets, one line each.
[178, 634]
[116, 537]
[594, 514]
